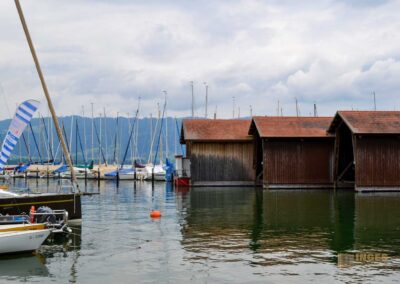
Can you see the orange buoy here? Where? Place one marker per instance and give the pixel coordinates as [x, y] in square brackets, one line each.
[32, 214]
[155, 214]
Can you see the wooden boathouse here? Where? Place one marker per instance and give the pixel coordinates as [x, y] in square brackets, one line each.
[220, 151]
[293, 152]
[367, 149]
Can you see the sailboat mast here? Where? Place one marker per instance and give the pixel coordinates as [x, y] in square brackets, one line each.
[130, 144]
[233, 107]
[92, 133]
[105, 133]
[151, 138]
[84, 132]
[40, 145]
[27, 148]
[160, 140]
[175, 138]
[117, 141]
[192, 88]
[76, 141]
[50, 150]
[46, 92]
[206, 106]
[36, 143]
[100, 144]
[51, 136]
[136, 140]
[166, 136]
[136, 152]
[166, 128]
[70, 134]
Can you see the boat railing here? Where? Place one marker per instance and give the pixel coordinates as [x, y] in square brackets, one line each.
[55, 220]
[12, 219]
[61, 215]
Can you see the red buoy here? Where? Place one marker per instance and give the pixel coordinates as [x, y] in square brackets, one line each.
[155, 214]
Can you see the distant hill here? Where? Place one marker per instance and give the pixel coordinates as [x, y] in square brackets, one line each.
[107, 134]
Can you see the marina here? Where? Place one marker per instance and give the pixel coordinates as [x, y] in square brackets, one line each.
[117, 194]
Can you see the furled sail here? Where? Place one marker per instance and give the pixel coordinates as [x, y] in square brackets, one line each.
[18, 124]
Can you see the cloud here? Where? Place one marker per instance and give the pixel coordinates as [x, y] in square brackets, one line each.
[334, 53]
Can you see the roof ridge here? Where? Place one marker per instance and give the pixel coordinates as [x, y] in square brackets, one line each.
[297, 117]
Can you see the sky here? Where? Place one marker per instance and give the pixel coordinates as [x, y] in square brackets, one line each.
[250, 53]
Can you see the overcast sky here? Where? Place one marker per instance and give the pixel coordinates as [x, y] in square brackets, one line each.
[111, 52]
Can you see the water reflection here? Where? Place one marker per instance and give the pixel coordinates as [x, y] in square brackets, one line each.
[217, 235]
[288, 227]
[22, 267]
[343, 222]
[378, 222]
[61, 244]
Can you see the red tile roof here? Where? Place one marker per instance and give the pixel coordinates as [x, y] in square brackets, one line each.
[369, 122]
[287, 127]
[215, 130]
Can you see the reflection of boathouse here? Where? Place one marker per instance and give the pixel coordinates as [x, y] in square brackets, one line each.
[220, 151]
[293, 152]
[367, 149]
[312, 226]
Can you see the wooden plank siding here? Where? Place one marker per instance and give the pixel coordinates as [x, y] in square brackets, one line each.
[369, 152]
[377, 161]
[221, 162]
[298, 162]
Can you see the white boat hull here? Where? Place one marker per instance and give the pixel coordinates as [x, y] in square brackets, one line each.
[148, 171]
[22, 241]
[127, 176]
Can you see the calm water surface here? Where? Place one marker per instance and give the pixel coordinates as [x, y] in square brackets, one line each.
[218, 235]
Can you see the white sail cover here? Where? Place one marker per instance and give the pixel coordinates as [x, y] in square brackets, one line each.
[21, 119]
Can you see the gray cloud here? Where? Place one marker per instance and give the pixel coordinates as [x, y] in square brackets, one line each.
[334, 53]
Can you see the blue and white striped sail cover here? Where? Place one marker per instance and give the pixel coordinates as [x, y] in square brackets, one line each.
[21, 119]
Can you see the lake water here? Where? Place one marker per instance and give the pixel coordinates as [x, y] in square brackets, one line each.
[219, 235]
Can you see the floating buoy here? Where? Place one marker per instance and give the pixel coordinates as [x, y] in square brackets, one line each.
[155, 214]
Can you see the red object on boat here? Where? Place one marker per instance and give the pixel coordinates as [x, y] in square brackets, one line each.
[32, 214]
[181, 181]
[9, 168]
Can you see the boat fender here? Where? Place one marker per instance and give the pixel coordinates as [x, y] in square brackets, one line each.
[32, 214]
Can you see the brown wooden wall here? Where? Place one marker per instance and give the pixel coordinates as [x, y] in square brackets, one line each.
[377, 161]
[223, 161]
[298, 162]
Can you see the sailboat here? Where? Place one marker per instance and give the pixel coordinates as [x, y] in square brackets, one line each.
[154, 171]
[128, 172]
[125, 172]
